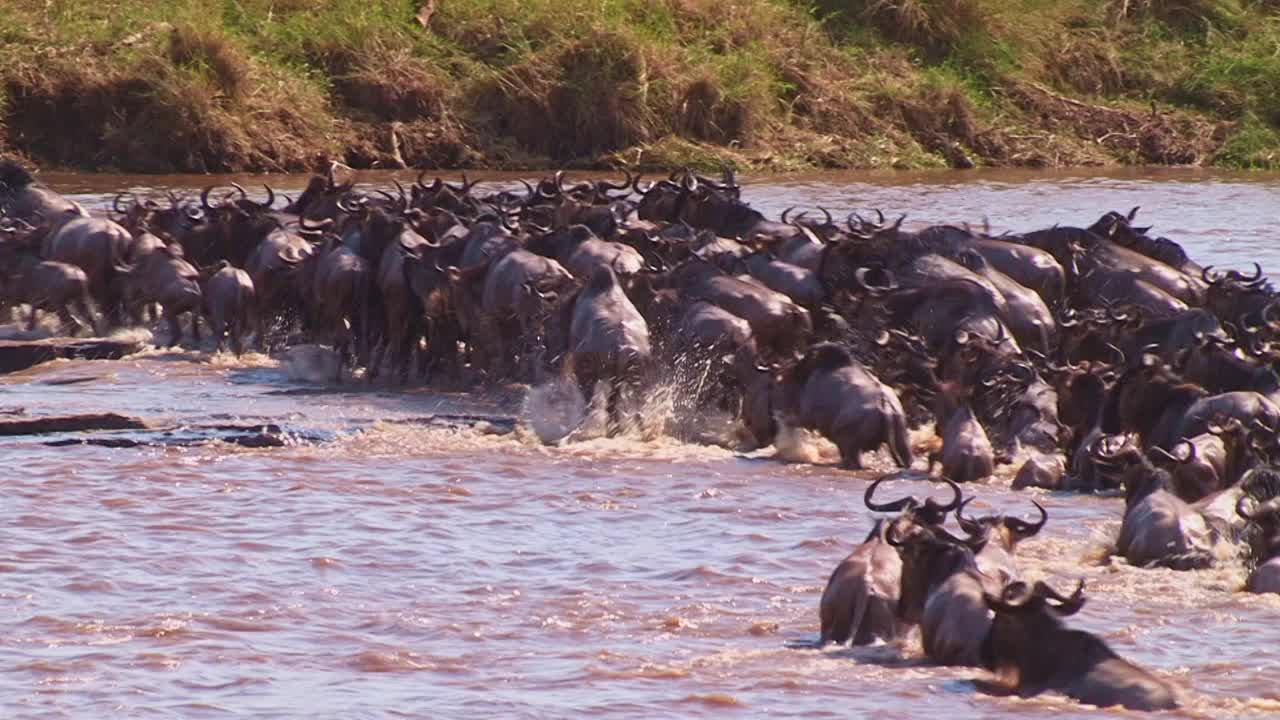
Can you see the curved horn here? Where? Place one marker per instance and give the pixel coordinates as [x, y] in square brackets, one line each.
[1067, 605]
[1207, 275]
[243, 195]
[894, 506]
[115, 204]
[1120, 357]
[969, 525]
[204, 198]
[827, 213]
[1171, 457]
[1024, 529]
[306, 225]
[271, 198]
[787, 212]
[404, 198]
[1267, 312]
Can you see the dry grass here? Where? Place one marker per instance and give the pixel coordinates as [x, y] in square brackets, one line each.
[156, 117]
[936, 26]
[380, 81]
[1088, 62]
[209, 51]
[1185, 15]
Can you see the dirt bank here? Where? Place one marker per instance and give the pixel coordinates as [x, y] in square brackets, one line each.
[130, 85]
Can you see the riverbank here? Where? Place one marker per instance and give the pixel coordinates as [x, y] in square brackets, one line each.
[286, 85]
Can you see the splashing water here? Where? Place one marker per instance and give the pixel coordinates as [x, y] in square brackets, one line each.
[553, 410]
[310, 363]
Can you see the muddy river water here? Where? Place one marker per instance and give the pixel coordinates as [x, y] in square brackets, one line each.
[383, 566]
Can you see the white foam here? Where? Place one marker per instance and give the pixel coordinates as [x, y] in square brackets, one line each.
[310, 363]
[553, 410]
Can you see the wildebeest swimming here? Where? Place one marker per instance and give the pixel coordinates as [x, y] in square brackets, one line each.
[1101, 353]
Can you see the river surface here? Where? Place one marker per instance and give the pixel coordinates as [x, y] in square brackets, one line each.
[385, 566]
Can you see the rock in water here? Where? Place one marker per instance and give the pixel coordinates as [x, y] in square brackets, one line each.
[19, 355]
[70, 423]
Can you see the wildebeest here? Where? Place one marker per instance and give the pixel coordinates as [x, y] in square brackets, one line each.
[164, 277]
[1158, 528]
[1031, 652]
[828, 391]
[602, 338]
[1000, 535]
[860, 601]
[1162, 409]
[515, 294]
[1259, 507]
[50, 286]
[229, 304]
[966, 453]
[337, 282]
[780, 326]
[942, 591]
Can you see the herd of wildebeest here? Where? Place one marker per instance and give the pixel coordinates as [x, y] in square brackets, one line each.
[1103, 355]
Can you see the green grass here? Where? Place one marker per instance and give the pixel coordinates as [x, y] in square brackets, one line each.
[784, 84]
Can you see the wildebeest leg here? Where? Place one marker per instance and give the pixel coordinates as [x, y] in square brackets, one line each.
[613, 422]
[341, 346]
[35, 317]
[236, 328]
[377, 357]
[260, 329]
[850, 454]
[404, 353]
[195, 326]
[85, 310]
[218, 328]
[175, 328]
[69, 323]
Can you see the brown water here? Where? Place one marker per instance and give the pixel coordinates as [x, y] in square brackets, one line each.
[408, 570]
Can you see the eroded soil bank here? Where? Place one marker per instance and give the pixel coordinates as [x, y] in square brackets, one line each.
[287, 85]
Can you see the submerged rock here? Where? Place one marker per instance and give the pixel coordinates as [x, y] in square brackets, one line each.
[21, 354]
[70, 423]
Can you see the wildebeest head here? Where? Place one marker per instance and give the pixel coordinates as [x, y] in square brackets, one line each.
[1002, 529]
[929, 556]
[1142, 394]
[1142, 477]
[930, 512]
[1025, 616]
[719, 211]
